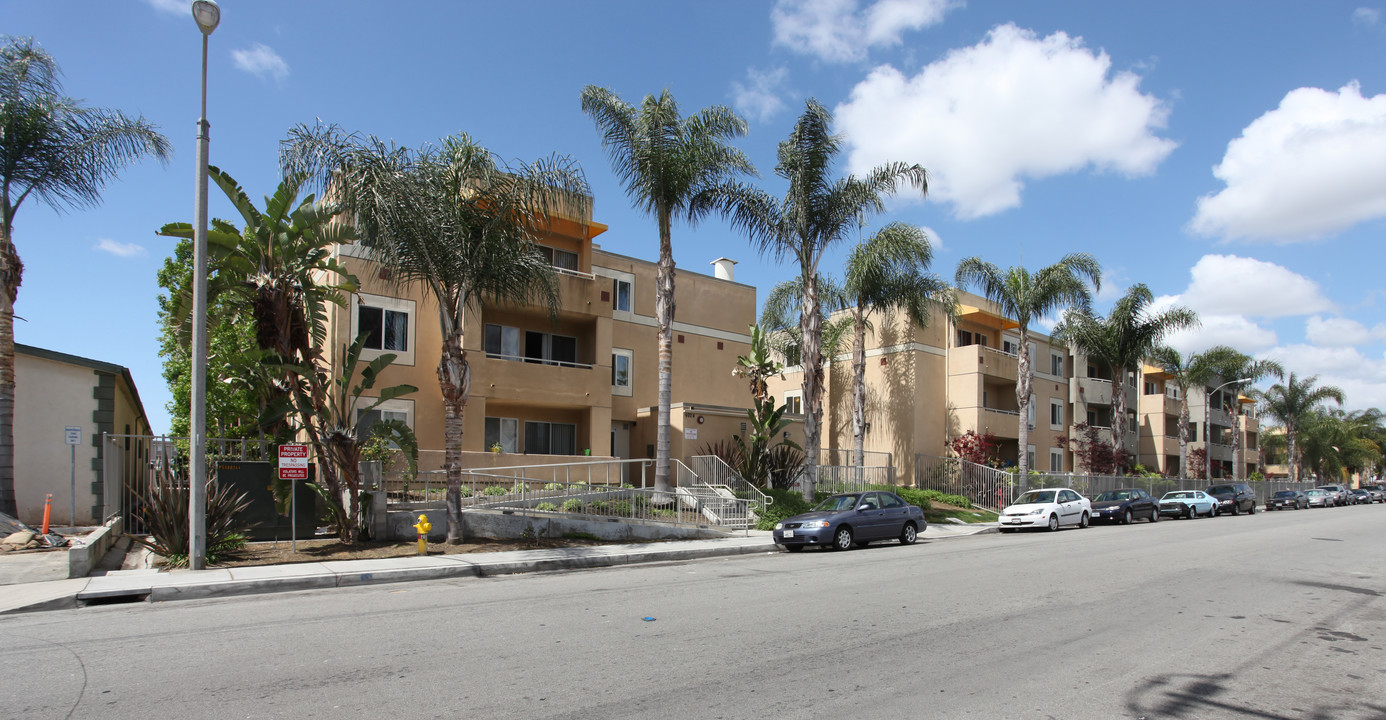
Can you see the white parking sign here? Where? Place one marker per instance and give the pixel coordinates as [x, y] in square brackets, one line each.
[73, 435]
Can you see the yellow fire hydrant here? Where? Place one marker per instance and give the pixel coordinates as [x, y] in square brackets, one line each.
[423, 526]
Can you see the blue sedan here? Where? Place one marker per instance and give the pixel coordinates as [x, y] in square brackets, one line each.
[841, 521]
[1189, 504]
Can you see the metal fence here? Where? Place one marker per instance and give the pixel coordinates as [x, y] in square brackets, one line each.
[431, 485]
[991, 488]
[132, 465]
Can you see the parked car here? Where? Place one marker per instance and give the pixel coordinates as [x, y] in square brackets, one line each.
[1125, 505]
[1292, 499]
[1319, 498]
[1051, 508]
[1378, 492]
[1339, 493]
[1188, 503]
[1234, 498]
[1360, 496]
[848, 519]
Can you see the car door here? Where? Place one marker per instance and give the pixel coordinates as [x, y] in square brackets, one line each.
[1142, 505]
[894, 513]
[869, 516]
[1070, 510]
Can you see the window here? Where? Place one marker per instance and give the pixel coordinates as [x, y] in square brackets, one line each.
[401, 410]
[503, 342]
[1009, 347]
[1056, 460]
[542, 438]
[621, 295]
[1030, 456]
[621, 363]
[1172, 392]
[1151, 388]
[1056, 414]
[549, 348]
[385, 325]
[1030, 417]
[559, 258]
[964, 338]
[794, 402]
[980, 339]
[504, 432]
[1056, 364]
[890, 501]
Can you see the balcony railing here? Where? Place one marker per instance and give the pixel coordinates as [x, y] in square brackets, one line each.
[574, 273]
[538, 361]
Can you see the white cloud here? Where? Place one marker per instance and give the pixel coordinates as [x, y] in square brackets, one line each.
[261, 60]
[1336, 332]
[1366, 17]
[1309, 168]
[1014, 106]
[1232, 285]
[1362, 378]
[759, 97]
[935, 240]
[1237, 331]
[838, 31]
[119, 249]
[178, 7]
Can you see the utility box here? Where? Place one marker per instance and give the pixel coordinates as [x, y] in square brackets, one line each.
[256, 480]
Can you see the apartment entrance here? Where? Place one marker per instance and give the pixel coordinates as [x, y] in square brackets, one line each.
[620, 447]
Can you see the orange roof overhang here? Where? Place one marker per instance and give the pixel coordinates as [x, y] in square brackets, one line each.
[985, 317]
[1154, 373]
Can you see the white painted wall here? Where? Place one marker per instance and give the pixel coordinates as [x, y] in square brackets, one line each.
[50, 396]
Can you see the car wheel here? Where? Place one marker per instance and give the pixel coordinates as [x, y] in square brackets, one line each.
[1253, 508]
[1126, 518]
[1236, 509]
[1190, 510]
[1155, 515]
[842, 539]
[1214, 511]
[794, 548]
[1053, 522]
[1083, 521]
[908, 535]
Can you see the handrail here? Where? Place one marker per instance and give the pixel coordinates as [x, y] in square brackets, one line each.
[1003, 412]
[999, 351]
[538, 361]
[574, 273]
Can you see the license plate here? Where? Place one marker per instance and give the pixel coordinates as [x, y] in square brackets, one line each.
[789, 533]
[1014, 521]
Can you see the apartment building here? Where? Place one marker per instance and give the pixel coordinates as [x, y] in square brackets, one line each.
[579, 387]
[1232, 414]
[926, 385]
[1092, 388]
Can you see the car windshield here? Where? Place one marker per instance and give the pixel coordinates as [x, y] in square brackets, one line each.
[837, 503]
[1222, 490]
[1178, 496]
[1035, 496]
[1285, 493]
[1315, 493]
[1114, 495]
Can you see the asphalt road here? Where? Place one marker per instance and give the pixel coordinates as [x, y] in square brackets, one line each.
[1277, 615]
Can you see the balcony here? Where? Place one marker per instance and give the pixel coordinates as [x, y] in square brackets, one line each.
[550, 383]
[989, 362]
[1004, 424]
[1090, 391]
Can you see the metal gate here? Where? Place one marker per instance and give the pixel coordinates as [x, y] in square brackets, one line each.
[133, 464]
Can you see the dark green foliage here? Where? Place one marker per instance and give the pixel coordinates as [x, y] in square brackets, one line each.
[786, 503]
[163, 507]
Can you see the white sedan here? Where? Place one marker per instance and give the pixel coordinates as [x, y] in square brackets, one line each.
[1049, 508]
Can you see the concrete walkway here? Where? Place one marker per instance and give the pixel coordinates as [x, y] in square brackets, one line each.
[154, 585]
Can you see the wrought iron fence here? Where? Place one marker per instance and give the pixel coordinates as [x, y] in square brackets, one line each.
[983, 486]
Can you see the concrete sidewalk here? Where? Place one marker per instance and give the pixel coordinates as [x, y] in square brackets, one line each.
[153, 585]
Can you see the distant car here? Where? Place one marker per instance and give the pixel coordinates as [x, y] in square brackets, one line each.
[1047, 508]
[1234, 498]
[1319, 498]
[1287, 499]
[1378, 492]
[1361, 497]
[848, 519]
[1188, 504]
[1125, 505]
[1339, 492]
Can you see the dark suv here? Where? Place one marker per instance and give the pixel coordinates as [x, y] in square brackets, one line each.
[1234, 498]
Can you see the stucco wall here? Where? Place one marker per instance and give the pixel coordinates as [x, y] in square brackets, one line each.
[49, 396]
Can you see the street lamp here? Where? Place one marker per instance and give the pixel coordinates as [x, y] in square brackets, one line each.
[207, 14]
[1208, 431]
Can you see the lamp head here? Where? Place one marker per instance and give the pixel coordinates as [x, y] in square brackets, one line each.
[207, 14]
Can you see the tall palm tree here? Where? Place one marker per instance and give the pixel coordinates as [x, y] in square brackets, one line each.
[885, 272]
[62, 153]
[1195, 370]
[1291, 402]
[1239, 366]
[1123, 340]
[456, 221]
[664, 160]
[779, 318]
[1026, 298]
[815, 214]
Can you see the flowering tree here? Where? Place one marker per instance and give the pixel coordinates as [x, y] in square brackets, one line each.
[974, 448]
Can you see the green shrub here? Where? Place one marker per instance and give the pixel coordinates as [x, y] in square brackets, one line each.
[519, 488]
[493, 490]
[546, 507]
[1257, 477]
[554, 486]
[621, 508]
[572, 505]
[596, 506]
[466, 492]
[786, 503]
[915, 497]
[946, 498]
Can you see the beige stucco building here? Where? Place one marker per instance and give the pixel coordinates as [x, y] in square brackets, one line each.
[1159, 419]
[580, 387]
[55, 391]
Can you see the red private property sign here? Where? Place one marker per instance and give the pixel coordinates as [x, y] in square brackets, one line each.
[293, 462]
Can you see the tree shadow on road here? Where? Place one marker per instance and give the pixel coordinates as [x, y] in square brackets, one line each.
[1191, 696]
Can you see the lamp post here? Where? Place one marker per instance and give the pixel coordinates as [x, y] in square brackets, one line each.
[1208, 430]
[207, 14]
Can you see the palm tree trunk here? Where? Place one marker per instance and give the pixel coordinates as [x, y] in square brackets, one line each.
[1208, 436]
[1237, 446]
[11, 270]
[858, 387]
[1023, 383]
[1290, 457]
[811, 329]
[1183, 433]
[664, 316]
[1119, 419]
[454, 380]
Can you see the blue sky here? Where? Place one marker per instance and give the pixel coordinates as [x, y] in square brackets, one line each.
[1230, 155]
